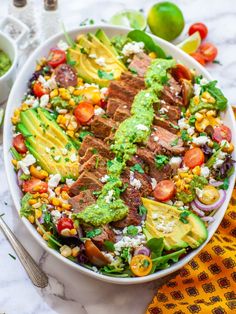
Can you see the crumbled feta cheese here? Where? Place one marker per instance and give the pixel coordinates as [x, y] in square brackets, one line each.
[44, 100]
[178, 203]
[103, 91]
[134, 182]
[54, 180]
[132, 48]
[47, 149]
[155, 138]
[220, 160]
[61, 111]
[204, 81]
[24, 163]
[69, 182]
[183, 124]
[104, 178]
[200, 140]
[64, 151]
[62, 45]
[32, 101]
[109, 257]
[163, 110]
[38, 168]
[153, 183]
[92, 55]
[56, 215]
[51, 83]
[109, 197]
[199, 192]
[98, 111]
[205, 172]
[190, 130]
[42, 80]
[57, 158]
[154, 216]
[129, 242]
[175, 162]
[73, 157]
[164, 226]
[197, 89]
[101, 61]
[141, 127]
[51, 193]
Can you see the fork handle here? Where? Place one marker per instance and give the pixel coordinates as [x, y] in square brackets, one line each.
[37, 276]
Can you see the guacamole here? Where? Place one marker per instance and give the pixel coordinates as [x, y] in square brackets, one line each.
[136, 129]
[5, 63]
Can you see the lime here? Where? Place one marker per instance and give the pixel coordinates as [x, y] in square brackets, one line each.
[1, 116]
[129, 18]
[191, 44]
[165, 20]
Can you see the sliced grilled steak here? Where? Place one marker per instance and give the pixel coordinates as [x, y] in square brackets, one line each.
[81, 201]
[114, 103]
[132, 218]
[140, 63]
[87, 180]
[166, 124]
[97, 144]
[121, 114]
[88, 154]
[102, 127]
[145, 188]
[172, 112]
[119, 90]
[135, 82]
[171, 93]
[96, 164]
[106, 235]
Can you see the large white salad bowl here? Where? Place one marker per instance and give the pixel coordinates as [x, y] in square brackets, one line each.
[17, 92]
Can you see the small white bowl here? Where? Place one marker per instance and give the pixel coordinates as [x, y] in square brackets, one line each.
[14, 101]
[10, 47]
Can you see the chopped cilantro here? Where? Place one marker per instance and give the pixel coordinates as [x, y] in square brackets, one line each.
[82, 134]
[83, 51]
[93, 233]
[192, 120]
[68, 146]
[174, 142]
[216, 146]
[142, 210]
[69, 61]
[105, 75]
[96, 162]
[183, 216]
[109, 246]
[161, 161]
[125, 254]
[225, 184]
[185, 137]
[94, 151]
[67, 159]
[132, 230]
[138, 168]
[175, 126]
[133, 70]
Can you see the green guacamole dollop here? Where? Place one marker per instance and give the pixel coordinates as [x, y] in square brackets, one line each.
[5, 63]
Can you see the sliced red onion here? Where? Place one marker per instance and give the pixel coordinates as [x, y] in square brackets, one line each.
[216, 205]
[19, 181]
[199, 212]
[208, 219]
[142, 250]
[215, 183]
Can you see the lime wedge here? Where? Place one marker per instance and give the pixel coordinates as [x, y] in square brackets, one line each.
[191, 44]
[1, 116]
[129, 18]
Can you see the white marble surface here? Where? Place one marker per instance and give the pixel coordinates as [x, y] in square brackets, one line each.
[69, 292]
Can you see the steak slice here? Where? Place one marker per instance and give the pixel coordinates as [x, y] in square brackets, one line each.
[140, 63]
[166, 124]
[145, 188]
[94, 143]
[132, 218]
[87, 180]
[106, 235]
[171, 93]
[119, 90]
[135, 82]
[121, 114]
[81, 201]
[102, 127]
[96, 164]
[114, 103]
[172, 112]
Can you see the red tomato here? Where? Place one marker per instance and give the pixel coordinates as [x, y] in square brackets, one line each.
[19, 144]
[39, 90]
[103, 103]
[84, 112]
[194, 157]
[181, 72]
[35, 185]
[56, 57]
[222, 133]
[64, 223]
[198, 27]
[198, 57]
[208, 52]
[164, 190]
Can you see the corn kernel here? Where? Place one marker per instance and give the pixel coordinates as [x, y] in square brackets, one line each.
[47, 77]
[37, 205]
[65, 251]
[54, 93]
[75, 251]
[40, 174]
[65, 232]
[24, 107]
[188, 180]
[196, 100]
[66, 206]
[55, 201]
[73, 231]
[39, 231]
[79, 81]
[72, 102]
[14, 162]
[152, 55]
[70, 133]
[58, 190]
[64, 195]
[44, 195]
[31, 219]
[77, 92]
[38, 213]
[38, 67]
[211, 113]
[46, 235]
[206, 96]
[197, 170]
[36, 195]
[32, 201]
[198, 116]
[183, 175]
[228, 149]
[71, 89]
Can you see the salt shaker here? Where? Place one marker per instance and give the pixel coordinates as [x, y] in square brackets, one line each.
[50, 19]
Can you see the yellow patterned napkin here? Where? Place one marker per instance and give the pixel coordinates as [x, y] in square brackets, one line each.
[207, 284]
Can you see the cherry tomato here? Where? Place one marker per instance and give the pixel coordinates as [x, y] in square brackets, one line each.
[56, 57]
[164, 190]
[103, 103]
[208, 52]
[19, 144]
[194, 157]
[198, 27]
[64, 223]
[35, 185]
[181, 72]
[94, 255]
[65, 75]
[222, 133]
[141, 265]
[84, 112]
[198, 57]
[39, 90]
[209, 195]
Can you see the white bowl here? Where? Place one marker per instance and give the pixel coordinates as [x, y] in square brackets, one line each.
[14, 101]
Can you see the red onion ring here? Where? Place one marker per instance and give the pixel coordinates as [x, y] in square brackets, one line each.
[199, 212]
[142, 250]
[19, 181]
[215, 183]
[208, 219]
[216, 205]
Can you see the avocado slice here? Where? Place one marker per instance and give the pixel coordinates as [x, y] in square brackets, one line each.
[165, 221]
[101, 35]
[46, 141]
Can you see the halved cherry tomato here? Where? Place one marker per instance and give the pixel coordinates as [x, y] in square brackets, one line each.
[35, 185]
[194, 157]
[209, 195]
[84, 112]
[19, 144]
[56, 57]
[64, 223]
[141, 265]
[65, 75]
[94, 255]
[164, 190]
[222, 133]
[181, 72]
[198, 27]
[198, 57]
[39, 90]
[208, 52]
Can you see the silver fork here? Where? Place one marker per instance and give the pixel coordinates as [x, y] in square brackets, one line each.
[35, 273]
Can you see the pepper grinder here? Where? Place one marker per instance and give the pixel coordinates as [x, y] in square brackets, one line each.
[50, 19]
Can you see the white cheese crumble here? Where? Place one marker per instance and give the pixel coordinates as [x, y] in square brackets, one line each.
[153, 183]
[56, 215]
[54, 180]
[183, 124]
[201, 140]
[154, 216]
[92, 55]
[104, 178]
[141, 127]
[101, 61]
[205, 172]
[199, 192]
[155, 138]
[190, 130]
[57, 158]
[134, 182]
[132, 48]
[129, 242]
[24, 163]
[109, 197]
[73, 157]
[64, 151]
[47, 149]
[175, 162]
[62, 45]
[197, 89]
[164, 226]
[98, 111]
[69, 182]
[220, 160]
[44, 100]
[51, 83]
[163, 110]
[32, 101]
